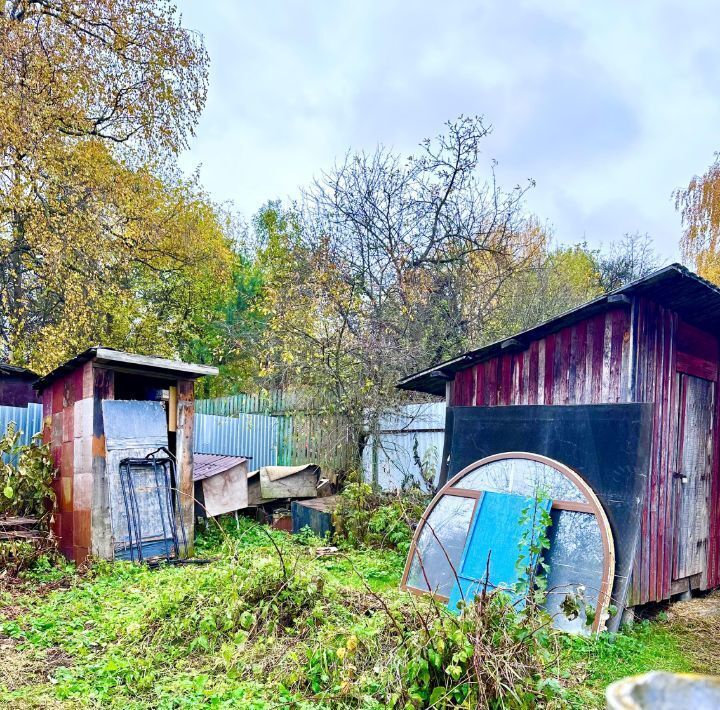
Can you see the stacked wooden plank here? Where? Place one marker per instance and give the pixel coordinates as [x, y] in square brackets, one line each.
[20, 528]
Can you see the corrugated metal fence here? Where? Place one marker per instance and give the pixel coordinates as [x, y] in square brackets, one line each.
[263, 403]
[256, 436]
[27, 419]
[409, 440]
[275, 429]
[408, 447]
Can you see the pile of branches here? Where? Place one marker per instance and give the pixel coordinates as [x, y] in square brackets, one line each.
[22, 541]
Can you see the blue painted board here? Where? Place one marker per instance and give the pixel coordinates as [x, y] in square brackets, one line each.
[494, 530]
[156, 548]
[319, 521]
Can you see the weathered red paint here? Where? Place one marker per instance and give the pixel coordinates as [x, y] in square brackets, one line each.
[570, 361]
[626, 354]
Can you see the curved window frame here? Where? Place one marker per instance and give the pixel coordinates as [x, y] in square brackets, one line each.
[593, 506]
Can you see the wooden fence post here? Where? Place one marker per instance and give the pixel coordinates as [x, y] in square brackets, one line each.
[184, 454]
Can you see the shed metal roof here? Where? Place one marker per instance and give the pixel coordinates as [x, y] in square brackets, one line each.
[208, 465]
[696, 300]
[120, 359]
[15, 371]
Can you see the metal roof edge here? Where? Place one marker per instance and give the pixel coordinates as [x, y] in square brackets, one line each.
[110, 356]
[599, 303]
[16, 370]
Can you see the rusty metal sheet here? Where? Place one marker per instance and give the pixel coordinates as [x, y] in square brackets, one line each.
[208, 465]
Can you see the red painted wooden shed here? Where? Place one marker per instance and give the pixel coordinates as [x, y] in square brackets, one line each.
[654, 340]
[75, 426]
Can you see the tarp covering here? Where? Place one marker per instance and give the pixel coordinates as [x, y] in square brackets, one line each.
[276, 473]
[493, 545]
[273, 482]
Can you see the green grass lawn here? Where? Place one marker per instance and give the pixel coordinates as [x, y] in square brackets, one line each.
[240, 632]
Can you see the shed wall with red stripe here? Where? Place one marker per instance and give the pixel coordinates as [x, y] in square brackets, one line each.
[629, 353]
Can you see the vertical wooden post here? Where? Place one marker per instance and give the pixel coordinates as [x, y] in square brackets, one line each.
[172, 409]
[184, 454]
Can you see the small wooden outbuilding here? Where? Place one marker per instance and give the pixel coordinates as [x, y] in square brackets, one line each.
[221, 484]
[651, 347]
[16, 386]
[101, 407]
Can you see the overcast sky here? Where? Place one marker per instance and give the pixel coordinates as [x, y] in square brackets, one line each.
[608, 106]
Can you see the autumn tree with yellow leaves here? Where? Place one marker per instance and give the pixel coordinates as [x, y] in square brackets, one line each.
[699, 206]
[389, 265]
[101, 239]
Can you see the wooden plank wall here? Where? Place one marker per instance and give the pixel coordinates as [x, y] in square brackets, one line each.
[698, 354]
[713, 568]
[586, 363]
[656, 381]
[603, 360]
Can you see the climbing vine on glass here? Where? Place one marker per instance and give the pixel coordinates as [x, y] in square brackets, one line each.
[26, 474]
[531, 566]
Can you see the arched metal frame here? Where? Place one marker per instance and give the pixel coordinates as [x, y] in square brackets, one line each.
[593, 506]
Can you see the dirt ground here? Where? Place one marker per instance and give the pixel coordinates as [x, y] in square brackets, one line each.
[20, 668]
[697, 623]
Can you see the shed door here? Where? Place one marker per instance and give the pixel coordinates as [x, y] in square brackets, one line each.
[693, 476]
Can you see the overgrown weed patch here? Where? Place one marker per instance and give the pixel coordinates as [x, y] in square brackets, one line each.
[250, 630]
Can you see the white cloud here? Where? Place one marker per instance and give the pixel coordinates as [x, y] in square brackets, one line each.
[609, 107]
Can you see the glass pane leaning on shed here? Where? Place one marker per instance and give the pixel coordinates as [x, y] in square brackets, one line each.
[580, 554]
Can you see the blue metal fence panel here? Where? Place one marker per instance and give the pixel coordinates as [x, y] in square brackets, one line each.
[254, 436]
[27, 419]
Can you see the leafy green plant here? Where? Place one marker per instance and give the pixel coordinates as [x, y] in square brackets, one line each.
[26, 474]
[532, 569]
[427, 467]
[365, 517]
[256, 629]
[352, 516]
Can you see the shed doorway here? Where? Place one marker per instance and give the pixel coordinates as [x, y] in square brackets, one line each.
[692, 477]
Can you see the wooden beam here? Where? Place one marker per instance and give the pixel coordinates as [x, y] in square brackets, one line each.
[619, 299]
[184, 457]
[512, 345]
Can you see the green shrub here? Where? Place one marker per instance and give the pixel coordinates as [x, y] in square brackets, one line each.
[25, 481]
[365, 517]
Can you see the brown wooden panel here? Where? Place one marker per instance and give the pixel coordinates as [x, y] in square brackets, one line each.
[505, 379]
[617, 332]
[463, 389]
[598, 344]
[699, 343]
[533, 373]
[491, 378]
[184, 455]
[713, 576]
[548, 381]
[655, 377]
[580, 353]
[480, 385]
